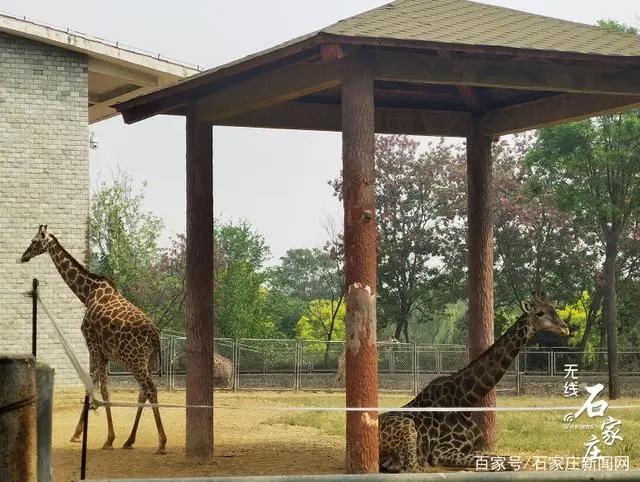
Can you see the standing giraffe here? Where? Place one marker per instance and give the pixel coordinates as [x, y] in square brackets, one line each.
[411, 441]
[113, 328]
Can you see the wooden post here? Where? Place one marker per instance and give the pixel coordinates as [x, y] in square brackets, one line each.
[480, 262]
[199, 286]
[358, 145]
[17, 419]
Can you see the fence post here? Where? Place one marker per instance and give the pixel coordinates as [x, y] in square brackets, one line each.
[34, 317]
[237, 361]
[518, 374]
[17, 419]
[415, 368]
[296, 368]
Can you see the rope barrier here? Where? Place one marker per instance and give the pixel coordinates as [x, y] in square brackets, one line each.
[118, 404]
[10, 407]
[82, 374]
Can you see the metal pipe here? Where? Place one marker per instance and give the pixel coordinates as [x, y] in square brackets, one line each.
[461, 476]
[85, 424]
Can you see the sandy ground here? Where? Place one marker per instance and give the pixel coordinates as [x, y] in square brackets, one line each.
[244, 443]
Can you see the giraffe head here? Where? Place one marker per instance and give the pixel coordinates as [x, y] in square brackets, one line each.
[39, 244]
[543, 316]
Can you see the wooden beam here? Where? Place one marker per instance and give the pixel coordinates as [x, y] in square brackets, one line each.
[270, 89]
[121, 72]
[512, 74]
[199, 286]
[358, 145]
[328, 117]
[95, 98]
[480, 263]
[554, 110]
[331, 52]
[469, 96]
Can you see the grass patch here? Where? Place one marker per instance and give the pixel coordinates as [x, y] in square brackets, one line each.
[518, 433]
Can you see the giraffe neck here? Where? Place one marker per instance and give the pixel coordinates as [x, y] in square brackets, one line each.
[77, 277]
[489, 368]
[468, 385]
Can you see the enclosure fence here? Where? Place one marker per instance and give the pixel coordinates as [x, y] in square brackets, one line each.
[283, 364]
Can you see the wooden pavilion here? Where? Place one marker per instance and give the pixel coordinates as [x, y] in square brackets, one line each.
[423, 67]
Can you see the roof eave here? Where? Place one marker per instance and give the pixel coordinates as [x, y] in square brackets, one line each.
[173, 95]
[170, 98]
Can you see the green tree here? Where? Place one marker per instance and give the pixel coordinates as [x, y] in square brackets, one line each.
[240, 296]
[123, 236]
[593, 169]
[321, 319]
[305, 275]
[413, 199]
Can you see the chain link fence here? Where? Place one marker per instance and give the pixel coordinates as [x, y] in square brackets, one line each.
[280, 364]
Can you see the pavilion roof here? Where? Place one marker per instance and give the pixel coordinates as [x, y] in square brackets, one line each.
[463, 22]
[435, 63]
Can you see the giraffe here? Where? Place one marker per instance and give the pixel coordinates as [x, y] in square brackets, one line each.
[113, 328]
[412, 441]
[222, 370]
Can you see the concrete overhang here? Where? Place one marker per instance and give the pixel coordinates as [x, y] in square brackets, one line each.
[116, 72]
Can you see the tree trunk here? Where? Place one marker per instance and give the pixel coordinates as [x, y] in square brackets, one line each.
[480, 262]
[199, 287]
[360, 241]
[592, 316]
[401, 327]
[603, 341]
[610, 313]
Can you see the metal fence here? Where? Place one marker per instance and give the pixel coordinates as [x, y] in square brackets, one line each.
[280, 364]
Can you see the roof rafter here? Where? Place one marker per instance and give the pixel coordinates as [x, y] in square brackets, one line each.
[554, 110]
[328, 117]
[529, 75]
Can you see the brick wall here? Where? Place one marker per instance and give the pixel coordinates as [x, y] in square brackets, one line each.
[44, 179]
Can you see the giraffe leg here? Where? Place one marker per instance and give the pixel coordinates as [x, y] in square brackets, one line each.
[451, 457]
[399, 446]
[142, 397]
[79, 426]
[152, 395]
[148, 388]
[104, 391]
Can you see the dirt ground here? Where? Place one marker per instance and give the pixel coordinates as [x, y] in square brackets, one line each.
[245, 443]
[250, 439]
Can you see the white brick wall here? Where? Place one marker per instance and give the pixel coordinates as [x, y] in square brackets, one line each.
[44, 179]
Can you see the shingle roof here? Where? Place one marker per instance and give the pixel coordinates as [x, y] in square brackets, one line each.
[470, 23]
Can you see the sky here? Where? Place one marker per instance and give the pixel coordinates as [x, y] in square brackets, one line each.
[276, 180]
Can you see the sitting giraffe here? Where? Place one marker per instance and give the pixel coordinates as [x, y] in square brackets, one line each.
[412, 441]
[113, 328]
[222, 370]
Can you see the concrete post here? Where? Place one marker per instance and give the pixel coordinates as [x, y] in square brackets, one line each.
[44, 385]
[17, 419]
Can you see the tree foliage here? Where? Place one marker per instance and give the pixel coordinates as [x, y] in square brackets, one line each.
[123, 236]
[593, 170]
[322, 320]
